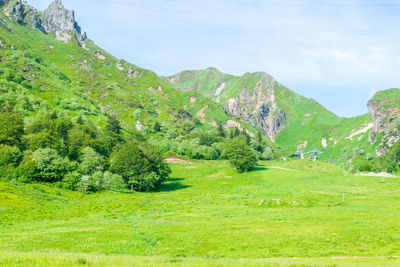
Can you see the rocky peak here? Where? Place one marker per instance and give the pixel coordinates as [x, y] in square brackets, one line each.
[19, 11]
[56, 18]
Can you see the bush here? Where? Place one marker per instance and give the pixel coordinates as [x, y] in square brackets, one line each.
[113, 181]
[135, 164]
[91, 161]
[84, 183]
[51, 167]
[71, 180]
[26, 170]
[146, 183]
[10, 155]
[240, 154]
[11, 127]
[97, 181]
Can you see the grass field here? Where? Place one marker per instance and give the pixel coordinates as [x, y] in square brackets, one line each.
[208, 215]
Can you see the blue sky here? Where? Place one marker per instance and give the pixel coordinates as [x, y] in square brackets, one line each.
[337, 52]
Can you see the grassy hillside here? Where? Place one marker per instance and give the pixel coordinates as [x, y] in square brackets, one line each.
[206, 214]
[308, 124]
[45, 74]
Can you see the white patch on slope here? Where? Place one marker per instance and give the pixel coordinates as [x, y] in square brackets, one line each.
[220, 88]
[364, 130]
[324, 143]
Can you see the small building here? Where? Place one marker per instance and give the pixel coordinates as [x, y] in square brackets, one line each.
[297, 155]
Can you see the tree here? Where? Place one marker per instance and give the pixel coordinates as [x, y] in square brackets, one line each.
[114, 125]
[135, 166]
[156, 127]
[91, 161]
[11, 127]
[51, 167]
[221, 130]
[240, 154]
[10, 155]
[77, 138]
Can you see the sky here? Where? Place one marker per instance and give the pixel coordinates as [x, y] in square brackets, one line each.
[338, 52]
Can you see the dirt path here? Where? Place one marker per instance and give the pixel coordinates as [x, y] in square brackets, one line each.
[381, 174]
[280, 168]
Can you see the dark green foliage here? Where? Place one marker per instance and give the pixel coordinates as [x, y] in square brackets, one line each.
[221, 130]
[135, 166]
[11, 127]
[114, 125]
[156, 127]
[240, 154]
[10, 155]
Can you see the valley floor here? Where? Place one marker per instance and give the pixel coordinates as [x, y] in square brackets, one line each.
[207, 215]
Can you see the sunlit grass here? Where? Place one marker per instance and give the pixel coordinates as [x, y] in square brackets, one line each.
[207, 211]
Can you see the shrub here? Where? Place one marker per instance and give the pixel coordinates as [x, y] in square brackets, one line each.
[134, 164]
[10, 155]
[240, 154]
[51, 167]
[114, 181]
[71, 180]
[97, 181]
[146, 183]
[27, 169]
[11, 127]
[84, 183]
[91, 161]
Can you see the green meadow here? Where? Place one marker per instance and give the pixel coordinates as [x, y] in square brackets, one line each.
[283, 213]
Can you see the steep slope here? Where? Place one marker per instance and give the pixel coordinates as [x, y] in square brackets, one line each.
[293, 121]
[45, 59]
[384, 108]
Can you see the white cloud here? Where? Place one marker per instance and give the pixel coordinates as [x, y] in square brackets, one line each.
[346, 56]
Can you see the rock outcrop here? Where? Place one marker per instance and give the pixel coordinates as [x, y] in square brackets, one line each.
[55, 19]
[384, 108]
[259, 108]
[19, 11]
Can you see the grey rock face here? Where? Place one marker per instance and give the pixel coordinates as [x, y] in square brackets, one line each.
[56, 18]
[386, 120]
[4, 23]
[23, 13]
[259, 108]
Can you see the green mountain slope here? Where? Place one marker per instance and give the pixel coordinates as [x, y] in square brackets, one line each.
[293, 121]
[76, 77]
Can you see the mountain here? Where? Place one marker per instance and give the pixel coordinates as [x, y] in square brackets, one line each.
[292, 121]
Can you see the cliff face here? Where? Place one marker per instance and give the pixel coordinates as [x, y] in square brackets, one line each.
[55, 19]
[259, 109]
[384, 108]
[22, 13]
[250, 97]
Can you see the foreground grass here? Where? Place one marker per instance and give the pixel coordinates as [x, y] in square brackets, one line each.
[62, 259]
[208, 215]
